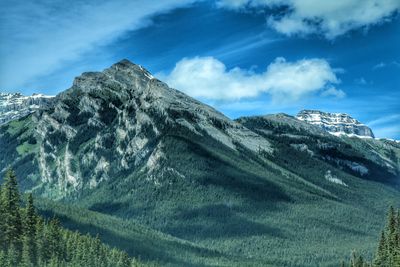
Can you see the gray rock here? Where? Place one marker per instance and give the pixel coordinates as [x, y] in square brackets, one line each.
[335, 123]
[15, 105]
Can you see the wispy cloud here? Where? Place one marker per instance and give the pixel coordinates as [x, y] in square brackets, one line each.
[244, 45]
[332, 91]
[329, 18]
[381, 65]
[386, 126]
[42, 35]
[384, 120]
[209, 78]
[387, 132]
[360, 81]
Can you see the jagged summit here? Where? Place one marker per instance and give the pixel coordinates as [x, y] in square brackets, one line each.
[336, 123]
[126, 65]
[124, 72]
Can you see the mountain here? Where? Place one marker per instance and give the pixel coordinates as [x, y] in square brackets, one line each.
[123, 144]
[336, 123]
[363, 157]
[16, 105]
[115, 122]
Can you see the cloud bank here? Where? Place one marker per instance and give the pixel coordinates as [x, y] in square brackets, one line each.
[209, 78]
[41, 35]
[329, 18]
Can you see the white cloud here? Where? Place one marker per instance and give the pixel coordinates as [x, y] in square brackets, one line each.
[332, 91]
[330, 18]
[209, 78]
[42, 35]
[360, 81]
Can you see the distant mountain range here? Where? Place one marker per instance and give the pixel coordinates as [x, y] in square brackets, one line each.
[336, 123]
[15, 105]
[122, 143]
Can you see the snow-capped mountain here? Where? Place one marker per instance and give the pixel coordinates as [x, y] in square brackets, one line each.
[336, 123]
[15, 105]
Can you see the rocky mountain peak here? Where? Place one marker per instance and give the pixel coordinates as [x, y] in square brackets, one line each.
[335, 123]
[116, 121]
[124, 74]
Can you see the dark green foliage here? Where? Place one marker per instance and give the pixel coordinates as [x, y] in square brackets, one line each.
[27, 240]
[388, 250]
[14, 135]
[11, 216]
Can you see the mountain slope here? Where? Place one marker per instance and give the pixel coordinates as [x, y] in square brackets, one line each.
[121, 143]
[365, 158]
[138, 240]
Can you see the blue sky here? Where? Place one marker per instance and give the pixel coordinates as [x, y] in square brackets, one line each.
[244, 57]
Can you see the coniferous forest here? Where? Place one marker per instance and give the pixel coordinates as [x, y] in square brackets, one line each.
[388, 248]
[27, 239]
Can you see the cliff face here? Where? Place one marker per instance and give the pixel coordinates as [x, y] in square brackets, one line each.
[15, 105]
[335, 123]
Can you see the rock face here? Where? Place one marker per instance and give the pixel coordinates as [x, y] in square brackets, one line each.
[115, 121]
[15, 105]
[336, 123]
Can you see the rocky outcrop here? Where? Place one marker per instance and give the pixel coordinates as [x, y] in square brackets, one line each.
[15, 105]
[335, 123]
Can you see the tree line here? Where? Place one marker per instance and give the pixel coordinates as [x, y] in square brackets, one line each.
[29, 240]
[388, 250]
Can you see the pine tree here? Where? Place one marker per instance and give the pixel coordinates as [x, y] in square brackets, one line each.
[356, 260]
[359, 261]
[54, 238]
[26, 260]
[2, 221]
[391, 236]
[398, 221]
[381, 254]
[12, 217]
[12, 256]
[123, 260]
[30, 231]
[3, 258]
[41, 242]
